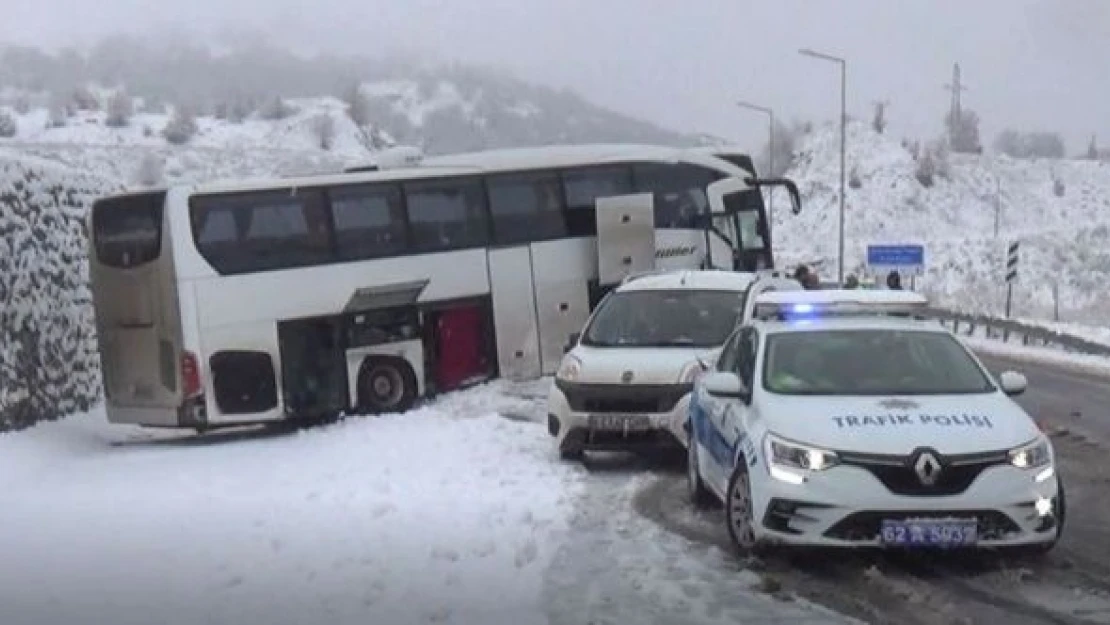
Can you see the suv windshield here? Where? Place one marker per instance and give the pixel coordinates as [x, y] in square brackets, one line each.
[870, 362]
[665, 318]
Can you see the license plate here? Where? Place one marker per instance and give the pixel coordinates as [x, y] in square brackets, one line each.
[619, 423]
[929, 533]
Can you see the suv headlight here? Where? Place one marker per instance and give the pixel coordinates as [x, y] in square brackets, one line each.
[798, 456]
[569, 370]
[1031, 455]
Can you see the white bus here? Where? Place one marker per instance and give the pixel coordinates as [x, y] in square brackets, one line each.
[302, 298]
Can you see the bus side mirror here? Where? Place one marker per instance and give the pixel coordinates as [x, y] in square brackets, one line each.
[791, 190]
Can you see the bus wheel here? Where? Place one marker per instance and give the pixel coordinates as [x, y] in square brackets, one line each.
[386, 384]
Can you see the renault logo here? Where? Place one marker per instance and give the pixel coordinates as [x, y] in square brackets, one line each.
[927, 468]
[626, 377]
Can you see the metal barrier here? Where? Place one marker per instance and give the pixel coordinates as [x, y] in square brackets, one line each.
[1008, 330]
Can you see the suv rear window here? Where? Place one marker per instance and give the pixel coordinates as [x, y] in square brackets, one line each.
[127, 230]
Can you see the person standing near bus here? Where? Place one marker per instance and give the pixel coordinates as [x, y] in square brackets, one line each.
[894, 281]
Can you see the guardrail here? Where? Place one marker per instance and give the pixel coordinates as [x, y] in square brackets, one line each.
[1008, 330]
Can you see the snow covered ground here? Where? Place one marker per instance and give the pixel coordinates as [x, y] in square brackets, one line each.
[1064, 238]
[458, 512]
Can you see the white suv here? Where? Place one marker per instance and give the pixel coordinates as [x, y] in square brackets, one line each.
[625, 381]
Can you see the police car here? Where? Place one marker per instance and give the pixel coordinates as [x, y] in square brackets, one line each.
[626, 379]
[840, 419]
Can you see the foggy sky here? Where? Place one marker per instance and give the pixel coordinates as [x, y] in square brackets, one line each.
[1029, 64]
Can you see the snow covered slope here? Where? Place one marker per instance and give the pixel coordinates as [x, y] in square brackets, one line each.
[48, 362]
[1064, 239]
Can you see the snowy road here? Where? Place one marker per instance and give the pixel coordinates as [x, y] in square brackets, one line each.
[459, 512]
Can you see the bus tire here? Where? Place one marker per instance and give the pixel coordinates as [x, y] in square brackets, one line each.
[385, 384]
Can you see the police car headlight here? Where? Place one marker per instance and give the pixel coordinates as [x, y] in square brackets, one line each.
[1032, 455]
[791, 455]
[569, 370]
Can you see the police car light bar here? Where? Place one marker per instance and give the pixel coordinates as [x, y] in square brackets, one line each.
[838, 302]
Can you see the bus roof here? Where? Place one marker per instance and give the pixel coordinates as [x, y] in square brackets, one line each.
[488, 161]
[564, 156]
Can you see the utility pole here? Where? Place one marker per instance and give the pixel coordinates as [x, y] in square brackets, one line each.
[955, 112]
[843, 143]
[997, 203]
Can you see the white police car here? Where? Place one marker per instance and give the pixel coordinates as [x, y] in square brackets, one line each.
[827, 422]
[625, 381]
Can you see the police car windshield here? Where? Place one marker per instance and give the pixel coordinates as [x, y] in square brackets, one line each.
[665, 318]
[870, 362]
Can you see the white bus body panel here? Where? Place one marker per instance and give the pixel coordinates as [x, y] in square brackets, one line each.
[560, 270]
[625, 236]
[325, 290]
[514, 312]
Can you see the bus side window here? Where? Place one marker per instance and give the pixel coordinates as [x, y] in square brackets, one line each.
[679, 189]
[526, 207]
[447, 214]
[259, 231]
[583, 186]
[369, 221]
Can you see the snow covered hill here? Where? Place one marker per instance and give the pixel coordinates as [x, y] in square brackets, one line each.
[1065, 239]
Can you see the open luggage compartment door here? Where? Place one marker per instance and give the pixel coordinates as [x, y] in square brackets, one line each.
[625, 236]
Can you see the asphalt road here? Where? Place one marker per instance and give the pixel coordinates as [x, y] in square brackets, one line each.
[1068, 586]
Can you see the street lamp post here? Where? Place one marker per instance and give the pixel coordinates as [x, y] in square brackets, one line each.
[843, 140]
[770, 149]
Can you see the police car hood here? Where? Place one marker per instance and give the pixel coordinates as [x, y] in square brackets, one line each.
[649, 365]
[950, 424]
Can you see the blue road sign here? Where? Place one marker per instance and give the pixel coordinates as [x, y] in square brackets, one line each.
[905, 259]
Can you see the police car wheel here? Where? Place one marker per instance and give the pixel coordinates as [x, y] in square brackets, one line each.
[738, 512]
[699, 494]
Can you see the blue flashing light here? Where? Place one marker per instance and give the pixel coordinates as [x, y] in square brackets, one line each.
[802, 308]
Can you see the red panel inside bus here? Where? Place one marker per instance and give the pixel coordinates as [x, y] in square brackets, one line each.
[461, 353]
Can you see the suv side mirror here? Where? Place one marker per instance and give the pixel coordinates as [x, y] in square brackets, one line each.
[572, 340]
[1012, 383]
[726, 384]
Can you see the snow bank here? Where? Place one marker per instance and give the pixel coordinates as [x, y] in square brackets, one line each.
[443, 515]
[48, 361]
[1078, 363]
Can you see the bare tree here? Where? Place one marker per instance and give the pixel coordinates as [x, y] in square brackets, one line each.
[963, 132]
[58, 114]
[119, 110]
[181, 127]
[323, 126]
[276, 109]
[358, 108]
[8, 126]
[878, 122]
[85, 100]
[1092, 149]
[926, 169]
[151, 170]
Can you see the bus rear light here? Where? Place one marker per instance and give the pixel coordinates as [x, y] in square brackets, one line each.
[190, 375]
